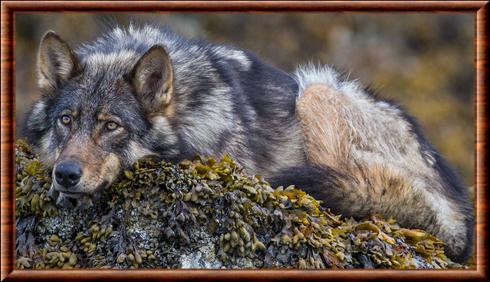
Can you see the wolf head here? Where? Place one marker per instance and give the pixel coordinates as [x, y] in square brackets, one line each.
[98, 113]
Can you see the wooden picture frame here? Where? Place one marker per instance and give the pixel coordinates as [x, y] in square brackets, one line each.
[10, 8]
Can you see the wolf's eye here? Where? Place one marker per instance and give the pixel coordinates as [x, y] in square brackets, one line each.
[65, 119]
[110, 125]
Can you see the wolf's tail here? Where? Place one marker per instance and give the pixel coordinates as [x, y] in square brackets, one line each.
[368, 156]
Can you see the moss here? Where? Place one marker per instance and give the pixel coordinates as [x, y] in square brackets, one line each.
[203, 214]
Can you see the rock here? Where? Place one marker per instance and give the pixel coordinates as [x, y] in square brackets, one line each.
[202, 214]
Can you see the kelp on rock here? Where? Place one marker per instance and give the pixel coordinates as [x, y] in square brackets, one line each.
[202, 214]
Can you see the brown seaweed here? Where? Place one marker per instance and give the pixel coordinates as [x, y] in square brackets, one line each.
[203, 213]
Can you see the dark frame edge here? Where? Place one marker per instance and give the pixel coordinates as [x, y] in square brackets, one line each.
[269, 274]
[481, 146]
[248, 6]
[7, 139]
[8, 8]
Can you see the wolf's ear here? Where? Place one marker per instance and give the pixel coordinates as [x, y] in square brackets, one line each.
[152, 78]
[56, 62]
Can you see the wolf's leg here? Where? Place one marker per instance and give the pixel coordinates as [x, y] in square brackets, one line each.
[382, 165]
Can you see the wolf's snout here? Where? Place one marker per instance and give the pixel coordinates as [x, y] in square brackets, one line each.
[68, 173]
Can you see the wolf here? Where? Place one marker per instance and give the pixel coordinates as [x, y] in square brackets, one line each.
[145, 91]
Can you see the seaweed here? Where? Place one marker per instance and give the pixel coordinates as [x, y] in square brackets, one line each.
[203, 213]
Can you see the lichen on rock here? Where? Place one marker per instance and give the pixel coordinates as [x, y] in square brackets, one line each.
[203, 214]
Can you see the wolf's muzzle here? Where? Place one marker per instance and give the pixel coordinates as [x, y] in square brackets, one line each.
[68, 173]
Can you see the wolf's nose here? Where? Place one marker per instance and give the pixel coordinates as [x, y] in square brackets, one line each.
[68, 173]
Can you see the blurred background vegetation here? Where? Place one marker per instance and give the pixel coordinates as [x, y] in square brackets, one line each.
[422, 61]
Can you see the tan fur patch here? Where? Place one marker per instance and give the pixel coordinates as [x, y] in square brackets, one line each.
[169, 109]
[110, 168]
[323, 142]
[373, 146]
